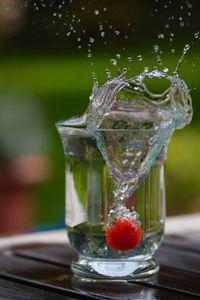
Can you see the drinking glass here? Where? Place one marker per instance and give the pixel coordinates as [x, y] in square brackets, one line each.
[97, 163]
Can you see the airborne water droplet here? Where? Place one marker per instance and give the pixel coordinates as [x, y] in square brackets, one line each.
[91, 40]
[161, 36]
[156, 48]
[139, 57]
[186, 48]
[165, 70]
[96, 12]
[108, 74]
[113, 61]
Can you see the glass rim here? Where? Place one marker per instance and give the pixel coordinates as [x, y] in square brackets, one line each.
[61, 124]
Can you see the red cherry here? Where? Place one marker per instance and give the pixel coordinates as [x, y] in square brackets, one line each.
[123, 234]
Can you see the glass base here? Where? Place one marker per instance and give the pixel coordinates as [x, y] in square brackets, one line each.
[114, 269]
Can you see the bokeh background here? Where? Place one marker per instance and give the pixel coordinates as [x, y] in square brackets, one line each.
[47, 58]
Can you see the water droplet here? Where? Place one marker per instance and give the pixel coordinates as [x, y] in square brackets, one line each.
[108, 74]
[96, 12]
[139, 57]
[182, 24]
[100, 26]
[129, 59]
[146, 69]
[113, 61]
[159, 61]
[118, 56]
[105, 9]
[89, 55]
[156, 48]
[68, 33]
[117, 32]
[102, 34]
[165, 70]
[186, 48]
[172, 50]
[167, 26]
[175, 74]
[78, 39]
[161, 36]
[196, 35]
[91, 40]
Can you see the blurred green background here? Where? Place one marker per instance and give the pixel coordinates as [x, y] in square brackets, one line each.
[38, 59]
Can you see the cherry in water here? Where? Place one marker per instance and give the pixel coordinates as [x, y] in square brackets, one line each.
[123, 234]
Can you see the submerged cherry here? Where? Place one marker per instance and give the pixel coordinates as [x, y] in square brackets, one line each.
[123, 234]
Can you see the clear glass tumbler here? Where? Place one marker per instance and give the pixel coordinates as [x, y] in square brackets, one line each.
[92, 177]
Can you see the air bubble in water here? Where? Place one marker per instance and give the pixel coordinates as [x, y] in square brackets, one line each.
[139, 57]
[196, 35]
[129, 59]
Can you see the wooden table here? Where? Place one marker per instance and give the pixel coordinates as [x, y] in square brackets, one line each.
[43, 272]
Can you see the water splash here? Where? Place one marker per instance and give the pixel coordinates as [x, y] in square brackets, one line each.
[124, 112]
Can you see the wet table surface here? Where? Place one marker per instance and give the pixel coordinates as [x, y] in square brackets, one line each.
[43, 272]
